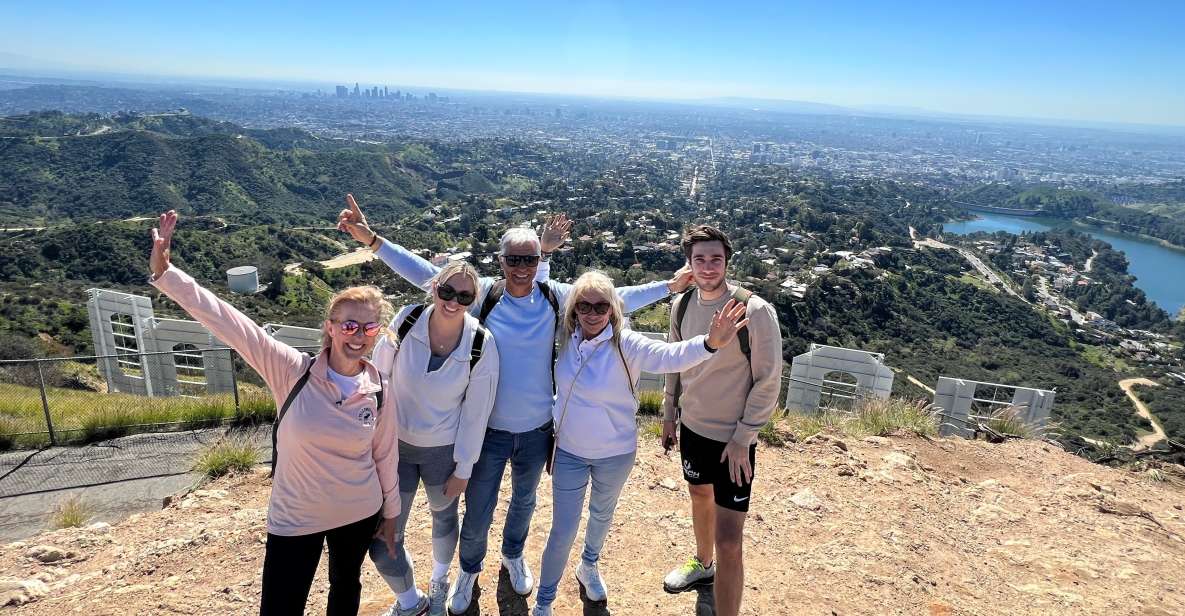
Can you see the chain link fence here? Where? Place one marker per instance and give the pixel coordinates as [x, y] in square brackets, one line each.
[74, 400]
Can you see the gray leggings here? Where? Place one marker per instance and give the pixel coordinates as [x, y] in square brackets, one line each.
[433, 465]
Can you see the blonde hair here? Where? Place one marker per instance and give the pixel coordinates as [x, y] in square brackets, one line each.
[600, 283]
[369, 295]
[452, 269]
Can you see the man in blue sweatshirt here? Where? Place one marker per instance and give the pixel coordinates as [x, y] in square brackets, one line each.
[521, 314]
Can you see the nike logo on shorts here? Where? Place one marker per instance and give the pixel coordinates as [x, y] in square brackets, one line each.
[736, 499]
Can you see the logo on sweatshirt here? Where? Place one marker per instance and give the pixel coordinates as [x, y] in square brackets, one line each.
[366, 417]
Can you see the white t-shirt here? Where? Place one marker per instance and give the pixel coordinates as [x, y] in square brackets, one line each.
[346, 384]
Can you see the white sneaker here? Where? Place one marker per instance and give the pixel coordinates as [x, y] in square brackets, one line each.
[541, 610]
[520, 576]
[591, 585]
[437, 596]
[460, 593]
[693, 574]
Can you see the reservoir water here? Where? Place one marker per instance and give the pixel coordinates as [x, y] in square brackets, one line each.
[1158, 269]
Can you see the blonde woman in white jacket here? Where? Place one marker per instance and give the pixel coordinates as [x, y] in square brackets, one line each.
[596, 377]
[447, 367]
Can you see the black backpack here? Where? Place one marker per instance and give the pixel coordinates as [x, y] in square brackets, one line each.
[679, 310]
[495, 294]
[479, 337]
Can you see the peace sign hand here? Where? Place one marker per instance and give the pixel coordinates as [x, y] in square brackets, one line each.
[555, 233]
[353, 222]
[162, 238]
[726, 323]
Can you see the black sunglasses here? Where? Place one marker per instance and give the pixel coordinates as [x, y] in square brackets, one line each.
[351, 327]
[517, 260]
[586, 307]
[446, 293]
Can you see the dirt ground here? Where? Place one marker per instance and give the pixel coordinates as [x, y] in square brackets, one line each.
[837, 526]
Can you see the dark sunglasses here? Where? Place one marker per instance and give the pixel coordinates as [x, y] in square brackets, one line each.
[517, 260]
[351, 327]
[446, 293]
[586, 307]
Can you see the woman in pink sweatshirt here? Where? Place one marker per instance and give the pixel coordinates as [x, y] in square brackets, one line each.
[335, 472]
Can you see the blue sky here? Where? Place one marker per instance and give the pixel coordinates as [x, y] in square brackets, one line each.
[1113, 61]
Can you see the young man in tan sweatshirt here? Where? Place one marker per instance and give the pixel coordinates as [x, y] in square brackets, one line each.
[713, 412]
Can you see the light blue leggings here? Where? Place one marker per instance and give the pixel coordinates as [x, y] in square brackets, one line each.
[572, 475]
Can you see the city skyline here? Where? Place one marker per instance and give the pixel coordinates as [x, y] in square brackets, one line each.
[1085, 62]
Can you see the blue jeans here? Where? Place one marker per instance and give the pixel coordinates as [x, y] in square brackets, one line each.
[572, 474]
[527, 454]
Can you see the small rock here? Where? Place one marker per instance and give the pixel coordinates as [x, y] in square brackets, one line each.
[879, 441]
[1103, 488]
[49, 553]
[807, 500]
[898, 459]
[219, 494]
[669, 484]
[846, 470]
[20, 592]
[100, 528]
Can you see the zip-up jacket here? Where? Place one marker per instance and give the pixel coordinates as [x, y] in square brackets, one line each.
[600, 418]
[450, 405]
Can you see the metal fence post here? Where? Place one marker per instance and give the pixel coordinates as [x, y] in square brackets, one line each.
[45, 404]
[234, 382]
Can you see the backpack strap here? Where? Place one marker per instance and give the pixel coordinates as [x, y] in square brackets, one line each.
[491, 300]
[742, 296]
[299, 385]
[408, 321]
[545, 289]
[479, 338]
[680, 310]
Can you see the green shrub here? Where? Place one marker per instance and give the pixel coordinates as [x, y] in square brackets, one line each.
[650, 402]
[231, 454]
[882, 417]
[1009, 421]
[71, 512]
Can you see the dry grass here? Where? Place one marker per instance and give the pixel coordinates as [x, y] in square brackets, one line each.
[870, 417]
[71, 512]
[233, 454]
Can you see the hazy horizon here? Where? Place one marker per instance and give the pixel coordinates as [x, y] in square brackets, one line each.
[1082, 62]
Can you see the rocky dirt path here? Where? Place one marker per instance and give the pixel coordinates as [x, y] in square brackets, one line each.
[1157, 434]
[838, 526]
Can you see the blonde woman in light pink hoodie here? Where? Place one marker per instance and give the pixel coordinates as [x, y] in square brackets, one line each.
[335, 458]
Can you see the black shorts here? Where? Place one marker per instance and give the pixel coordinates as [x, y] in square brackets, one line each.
[702, 466]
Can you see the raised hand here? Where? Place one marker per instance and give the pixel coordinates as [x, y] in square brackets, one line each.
[353, 222]
[555, 233]
[681, 280]
[162, 239]
[726, 323]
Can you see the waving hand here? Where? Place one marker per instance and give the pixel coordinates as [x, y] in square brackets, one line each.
[162, 239]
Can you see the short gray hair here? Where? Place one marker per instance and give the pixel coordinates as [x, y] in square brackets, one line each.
[520, 235]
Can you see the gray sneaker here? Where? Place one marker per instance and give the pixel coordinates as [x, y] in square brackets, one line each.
[437, 596]
[693, 574]
[541, 610]
[419, 609]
